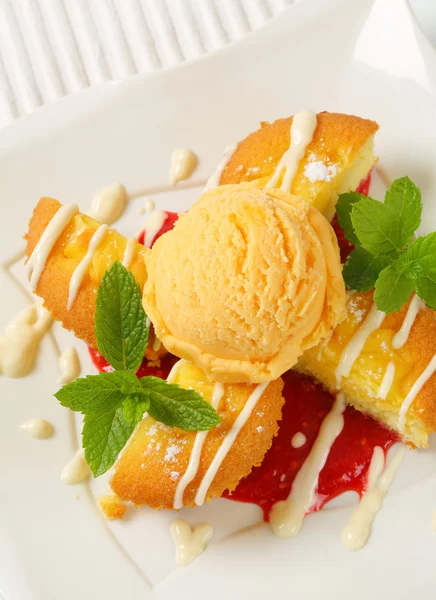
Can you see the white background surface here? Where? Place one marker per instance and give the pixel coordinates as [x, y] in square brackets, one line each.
[50, 48]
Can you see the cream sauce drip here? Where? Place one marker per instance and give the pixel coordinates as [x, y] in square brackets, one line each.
[287, 516]
[36, 263]
[183, 163]
[152, 226]
[190, 543]
[228, 441]
[69, 365]
[81, 269]
[355, 346]
[194, 460]
[298, 440]
[414, 391]
[301, 134]
[357, 531]
[215, 178]
[109, 204]
[387, 381]
[402, 335]
[20, 343]
[77, 470]
[38, 428]
[129, 252]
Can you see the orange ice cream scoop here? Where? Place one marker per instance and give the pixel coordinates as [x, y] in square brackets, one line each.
[246, 281]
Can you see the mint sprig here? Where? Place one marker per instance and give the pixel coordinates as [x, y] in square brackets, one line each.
[386, 256]
[120, 321]
[113, 403]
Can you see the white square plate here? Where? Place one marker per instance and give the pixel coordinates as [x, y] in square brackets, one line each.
[368, 58]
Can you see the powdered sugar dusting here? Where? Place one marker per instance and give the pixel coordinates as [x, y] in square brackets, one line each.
[172, 452]
[318, 171]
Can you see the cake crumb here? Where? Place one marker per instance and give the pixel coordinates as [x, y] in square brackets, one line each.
[112, 507]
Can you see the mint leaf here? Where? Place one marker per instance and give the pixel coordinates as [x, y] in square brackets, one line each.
[421, 257]
[377, 227]
[343, 209]
[134, 408]
[103, 438]
[393, 287]
[178, 407]
[362, 269]
[425, 287]
[404, 199]
[98, 393]
[120, 321]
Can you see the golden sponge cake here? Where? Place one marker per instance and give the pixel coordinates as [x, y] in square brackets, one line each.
[362, 386]
[67, 253]
[156, 457]
[337, 159]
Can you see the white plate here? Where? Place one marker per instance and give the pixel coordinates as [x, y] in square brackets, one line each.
[367, 58]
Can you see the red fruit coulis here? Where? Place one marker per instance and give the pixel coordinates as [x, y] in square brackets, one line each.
[306, 405]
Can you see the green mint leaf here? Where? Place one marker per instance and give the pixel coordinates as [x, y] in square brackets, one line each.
[98, 393]
[425, 287]
[377, 227]
[134, 408]
[103, 438]
[421, 262]
[343, 209]
[421, 256]
[178, 407]
[393, 287]
[120, 321]
[404, 199]
[362, 269]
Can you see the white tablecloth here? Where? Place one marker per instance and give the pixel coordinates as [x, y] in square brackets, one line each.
[50, 48]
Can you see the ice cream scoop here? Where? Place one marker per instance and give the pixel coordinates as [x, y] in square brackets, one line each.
[246, 281]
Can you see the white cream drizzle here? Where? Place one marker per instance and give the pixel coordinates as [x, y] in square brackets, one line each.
[149, 205]
[109, 204]
[287, 516]
[129, 252]
[214, 179]
[152, 225]
[38, 428]
[174, 370]
[387, 381]
[402, 335]
[156, 343]
[355, 346]
[183, 163]
[298, 440]
[36, 263]
[194, 459]
[323, 345]
[69, 365]
[20, 342]
[190, 543]
[301, 134]
[77, 470]
[357, 531]
[228, 441]
[80, 271]
[414, 391]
